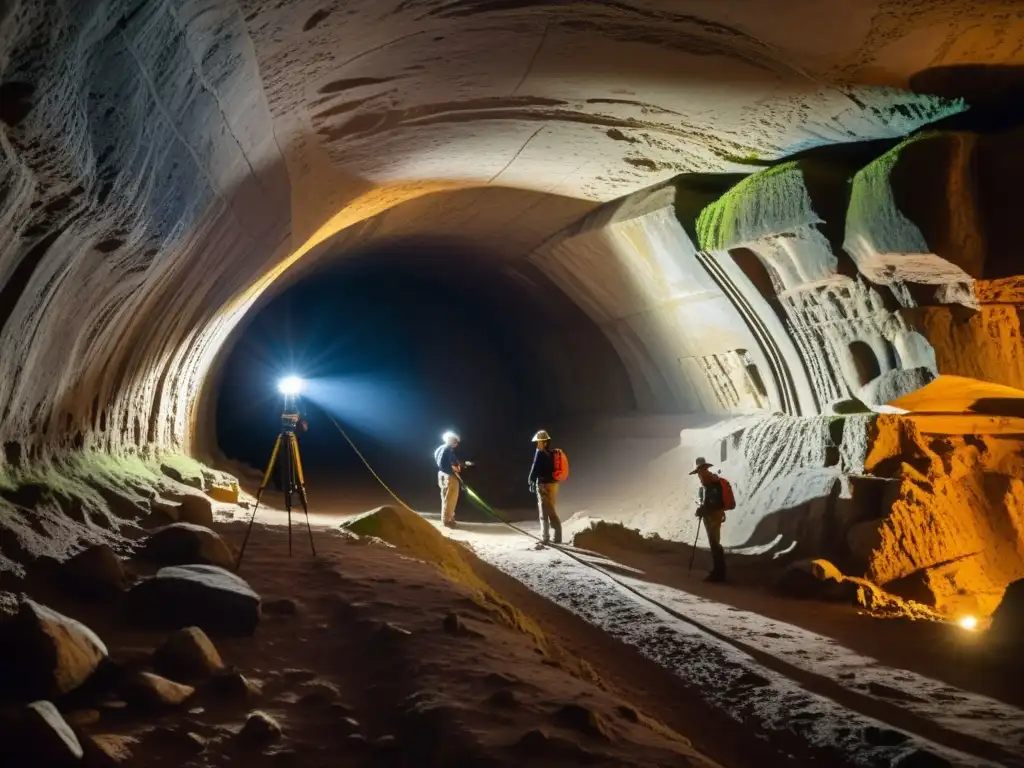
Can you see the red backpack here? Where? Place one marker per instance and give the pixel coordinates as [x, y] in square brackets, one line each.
[561, 463]
[728, 497]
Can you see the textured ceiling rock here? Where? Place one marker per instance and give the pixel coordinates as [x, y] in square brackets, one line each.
[161, 164]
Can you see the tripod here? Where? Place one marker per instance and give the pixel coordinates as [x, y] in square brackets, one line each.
[294, 480]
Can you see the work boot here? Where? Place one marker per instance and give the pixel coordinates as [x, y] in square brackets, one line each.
[449, 523]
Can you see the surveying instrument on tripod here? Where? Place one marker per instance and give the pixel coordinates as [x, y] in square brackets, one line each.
[294, 480]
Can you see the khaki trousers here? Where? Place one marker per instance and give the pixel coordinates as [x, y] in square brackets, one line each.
[547, 495]
[449, 485]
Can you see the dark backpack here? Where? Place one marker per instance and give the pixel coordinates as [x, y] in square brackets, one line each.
[718, 495]
[713, 496]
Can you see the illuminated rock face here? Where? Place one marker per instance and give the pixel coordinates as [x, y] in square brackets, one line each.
[163, 165]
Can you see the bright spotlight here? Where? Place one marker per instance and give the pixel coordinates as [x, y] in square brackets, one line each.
[969, 623]
[290, 386]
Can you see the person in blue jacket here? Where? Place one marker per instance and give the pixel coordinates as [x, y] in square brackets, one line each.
[448, 478]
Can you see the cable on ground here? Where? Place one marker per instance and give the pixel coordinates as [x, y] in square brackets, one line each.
[758, 656]
[488, 510]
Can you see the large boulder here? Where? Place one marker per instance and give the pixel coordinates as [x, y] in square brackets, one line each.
[94, 572]
[203, 596]
[186, 544]
[147, 691]
[188, 654]
[44, 654]
[37, 735]
[194, 508]
[225, 493]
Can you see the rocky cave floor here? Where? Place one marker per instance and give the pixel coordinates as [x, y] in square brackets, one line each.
[396, 645]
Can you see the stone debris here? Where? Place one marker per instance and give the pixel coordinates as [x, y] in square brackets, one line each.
[260, 728]
[205, 596]
[188, 654]
[37, 735]
[231, 683]
[147, 691]
[46, 654]
[186, 544]
[96, 571]
[107, 750]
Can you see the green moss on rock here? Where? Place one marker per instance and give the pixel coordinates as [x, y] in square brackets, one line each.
[768, 202]
[873, 213]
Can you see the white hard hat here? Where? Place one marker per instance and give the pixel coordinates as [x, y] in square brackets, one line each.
[449, 436]
[541, 435]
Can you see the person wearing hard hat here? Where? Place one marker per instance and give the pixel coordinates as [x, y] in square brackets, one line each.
[544, 485]
[448, 469]
[714, 497]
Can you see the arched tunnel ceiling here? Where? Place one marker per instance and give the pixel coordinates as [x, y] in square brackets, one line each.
[590, 100]
[161, 164]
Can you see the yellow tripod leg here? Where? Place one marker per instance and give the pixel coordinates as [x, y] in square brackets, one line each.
[302, 488]
[259, 495]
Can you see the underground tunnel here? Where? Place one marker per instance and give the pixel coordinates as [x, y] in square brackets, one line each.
[403, 341]
[779, 238]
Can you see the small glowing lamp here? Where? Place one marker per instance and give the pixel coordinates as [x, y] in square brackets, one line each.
[290, 386]
[969, 623]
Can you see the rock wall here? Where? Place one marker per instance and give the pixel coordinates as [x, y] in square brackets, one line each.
[635, 272]
[141, 191]
[852, 278]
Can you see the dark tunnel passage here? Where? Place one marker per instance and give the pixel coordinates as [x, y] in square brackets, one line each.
[402, 341]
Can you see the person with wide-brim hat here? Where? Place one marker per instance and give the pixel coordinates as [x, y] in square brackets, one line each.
[711, 508]
[543, 484]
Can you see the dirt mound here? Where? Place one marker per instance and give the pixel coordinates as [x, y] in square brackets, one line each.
[959, 394]
[602, 536]
[414, 536]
